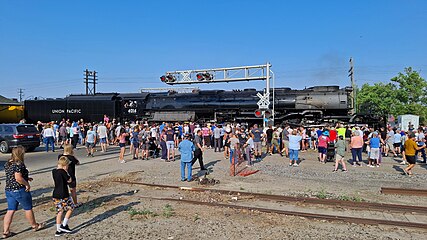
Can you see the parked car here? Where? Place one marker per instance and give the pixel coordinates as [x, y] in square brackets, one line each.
[13, 135]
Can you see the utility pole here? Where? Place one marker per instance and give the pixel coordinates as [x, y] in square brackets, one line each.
[21, 94]
[353, 86]
[90, 79]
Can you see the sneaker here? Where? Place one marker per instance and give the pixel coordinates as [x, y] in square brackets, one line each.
[344, 170]
[378, 165]
[290, 164]
[59, 233]
[65, 228]
[372, 166]
[402, 163]
[334, 170]
[122, 161]
[295, 165]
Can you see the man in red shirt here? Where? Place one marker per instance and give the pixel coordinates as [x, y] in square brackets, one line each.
[332, 134]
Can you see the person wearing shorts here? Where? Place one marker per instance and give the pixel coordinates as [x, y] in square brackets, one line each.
[18, 191]
[374, 143]
[411, 148]
[258, 135]
[322, 146]
[170, 144]
[90, 141]
[340, 152]
[61, 197]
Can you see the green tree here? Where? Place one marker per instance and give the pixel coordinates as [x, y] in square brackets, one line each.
[378, 99]
[405, 94]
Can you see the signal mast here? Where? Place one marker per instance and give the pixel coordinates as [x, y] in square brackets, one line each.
[231, 74]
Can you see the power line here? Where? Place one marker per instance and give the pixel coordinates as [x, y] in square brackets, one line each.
[90, 78]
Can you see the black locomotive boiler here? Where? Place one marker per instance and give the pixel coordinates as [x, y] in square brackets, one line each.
[310, 105]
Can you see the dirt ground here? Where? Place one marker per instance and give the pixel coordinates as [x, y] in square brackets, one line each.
[120, 211]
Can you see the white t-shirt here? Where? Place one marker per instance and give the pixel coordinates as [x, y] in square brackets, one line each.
[153, 132]
[250, 143]
[102, 131]
[48, 132]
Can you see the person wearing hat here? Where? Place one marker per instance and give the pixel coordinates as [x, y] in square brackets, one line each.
[186, 148]
[323, 145]
[411, 148]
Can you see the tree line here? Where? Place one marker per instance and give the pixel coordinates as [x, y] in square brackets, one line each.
[406, 93]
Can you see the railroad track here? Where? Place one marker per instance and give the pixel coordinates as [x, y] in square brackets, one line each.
[404, 191]
[303, 200]
[316, 216]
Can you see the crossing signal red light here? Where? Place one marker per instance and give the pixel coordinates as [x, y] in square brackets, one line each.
[199, 77]
[204, 76]
[168, 78]
[258, 113]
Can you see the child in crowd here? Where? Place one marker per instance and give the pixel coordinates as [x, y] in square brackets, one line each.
[69, 154]
[61, 196]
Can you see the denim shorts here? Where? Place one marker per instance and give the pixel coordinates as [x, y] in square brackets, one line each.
[103, 140]
[16, 197]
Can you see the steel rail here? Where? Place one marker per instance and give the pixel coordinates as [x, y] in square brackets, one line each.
[316, 216]
[305, 200]
[404, 191]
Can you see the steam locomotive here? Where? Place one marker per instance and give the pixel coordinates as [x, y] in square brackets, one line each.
[310, 105]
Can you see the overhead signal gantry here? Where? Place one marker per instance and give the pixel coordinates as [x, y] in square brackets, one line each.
[215, 75]
[231, 74]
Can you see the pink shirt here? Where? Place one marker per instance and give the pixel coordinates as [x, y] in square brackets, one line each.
[122, 138]
[356, 142]
[205, 132]
[323, 141]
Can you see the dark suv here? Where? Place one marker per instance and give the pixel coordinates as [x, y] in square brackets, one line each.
[13, 135]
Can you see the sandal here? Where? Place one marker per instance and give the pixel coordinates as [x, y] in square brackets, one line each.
[7, 235]
[39, 227]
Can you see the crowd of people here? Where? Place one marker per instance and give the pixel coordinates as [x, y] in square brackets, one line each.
[243, 142]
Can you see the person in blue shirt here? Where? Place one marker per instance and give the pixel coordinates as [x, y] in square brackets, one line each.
[186, 148]
[294, 146]
[374, 144]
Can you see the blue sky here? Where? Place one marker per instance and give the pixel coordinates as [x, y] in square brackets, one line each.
[46, 45]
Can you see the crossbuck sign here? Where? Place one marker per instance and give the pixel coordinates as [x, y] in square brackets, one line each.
[264, 101]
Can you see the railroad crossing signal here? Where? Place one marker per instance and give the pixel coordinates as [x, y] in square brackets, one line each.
[267, 113]
[264, 100]
[260, 113]
[215, 75]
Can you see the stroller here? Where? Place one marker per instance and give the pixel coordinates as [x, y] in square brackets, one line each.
[330, 152]
[153, 149]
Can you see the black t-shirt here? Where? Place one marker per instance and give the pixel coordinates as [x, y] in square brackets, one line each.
[72, 166]
[176, 130]
[242, 138]
[383, 135]
[60, 177]
[347, 133]
[169, 135]
[11, 169]
[269, 134]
